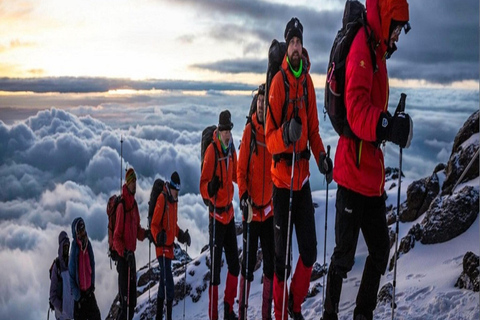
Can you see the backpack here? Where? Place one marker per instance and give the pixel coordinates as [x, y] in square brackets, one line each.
[157, 188]
[354, 17]
[276, 53]
[59, 282]
[112, 205]
[207, 139]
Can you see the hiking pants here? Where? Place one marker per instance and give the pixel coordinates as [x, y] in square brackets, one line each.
[225, 238]
[302, 217]
[167, 273]
[355, 212]
[122, 269]
[86, 308]
[264, 232]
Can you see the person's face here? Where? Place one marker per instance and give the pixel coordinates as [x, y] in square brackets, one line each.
[174, 193]
[294, 52]
[81, 235]
[132, 186]
[226, 135]
[66, 247]
[395, 35]
[260, 107]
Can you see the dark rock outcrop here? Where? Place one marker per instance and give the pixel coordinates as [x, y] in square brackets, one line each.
[461, 155]
[420, 194]
[450, 216]
[469, 279]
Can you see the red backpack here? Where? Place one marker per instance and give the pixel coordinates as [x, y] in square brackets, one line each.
[112, 205]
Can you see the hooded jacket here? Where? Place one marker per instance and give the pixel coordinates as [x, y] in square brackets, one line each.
[60, 293]
[281, 171]
[73, 264]
[127, 225]
[366, 97]
[227, 173]
[258, 180]
[165, 218]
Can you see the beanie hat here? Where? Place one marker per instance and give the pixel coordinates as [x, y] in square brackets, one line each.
[62, 236]
[225, 121]
[293, 29]
[175, 181]
[130, 176]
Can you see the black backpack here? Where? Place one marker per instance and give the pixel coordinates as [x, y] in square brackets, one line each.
[112, 205]
[157, 188]
[276, 53]
[59, 282]
[354, 18]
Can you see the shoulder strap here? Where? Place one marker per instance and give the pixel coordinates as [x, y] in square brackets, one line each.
[164, 206]
[287, 96]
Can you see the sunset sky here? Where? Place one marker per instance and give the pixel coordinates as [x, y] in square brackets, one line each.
[211, 41]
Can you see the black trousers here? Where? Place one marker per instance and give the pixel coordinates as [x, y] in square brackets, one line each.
[355, 212]
[122, 269]
[264, 232]
[86, 308]
[304, 221]
[225, 238]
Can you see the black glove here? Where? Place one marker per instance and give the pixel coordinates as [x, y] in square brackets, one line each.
[397, 129]
[325, 166]
[213, 186]
[128, 255]
[243, 201]
[161, 238]
[148, 235]
[292, 130]
[184, 237]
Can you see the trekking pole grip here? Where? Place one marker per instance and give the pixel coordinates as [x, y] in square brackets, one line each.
[328, 151]
[401, 103]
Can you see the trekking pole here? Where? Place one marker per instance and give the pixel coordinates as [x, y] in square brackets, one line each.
[121, 164]
[465, 171]
[185, 282]
[212, 252]
[128, 292]
[400, 108]
[48, 314]
[164, 282]
[245, 296]
[325, 240]
[287, 253]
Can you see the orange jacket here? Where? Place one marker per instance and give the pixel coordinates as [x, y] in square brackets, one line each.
[366, 97]
[169, 224]
[281, 171]
[258, 180]
[227, 173]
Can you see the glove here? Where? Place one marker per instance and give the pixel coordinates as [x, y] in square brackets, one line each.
[213, 186]
[325, 166]
[397, 129]
[161, 238]
[186, 238]
[292, 130]
[148, 235]
[128, 255]
[243, 201]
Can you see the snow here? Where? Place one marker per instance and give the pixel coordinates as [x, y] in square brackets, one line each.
[425, 276]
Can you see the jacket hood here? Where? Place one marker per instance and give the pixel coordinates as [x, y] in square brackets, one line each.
[74, 224]
[391, 10]
[62, 238]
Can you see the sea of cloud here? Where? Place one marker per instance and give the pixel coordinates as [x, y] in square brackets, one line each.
[64, 162]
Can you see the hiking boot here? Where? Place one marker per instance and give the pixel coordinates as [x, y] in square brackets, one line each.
[327, 316]
[360, 317]
[227, 314]
[294, 315]
[159, 315]
[169, 309]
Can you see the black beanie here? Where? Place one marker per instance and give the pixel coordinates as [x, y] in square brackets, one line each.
[225, 121]
[293, 29]
[175, 181]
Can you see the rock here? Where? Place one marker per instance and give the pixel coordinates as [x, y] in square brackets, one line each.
[450, 216]
[461, 155]
[317, 272]
[420, 194]
[314, 291]
[385, 294]
[439, 167]
[391, 174]
[469, 278]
